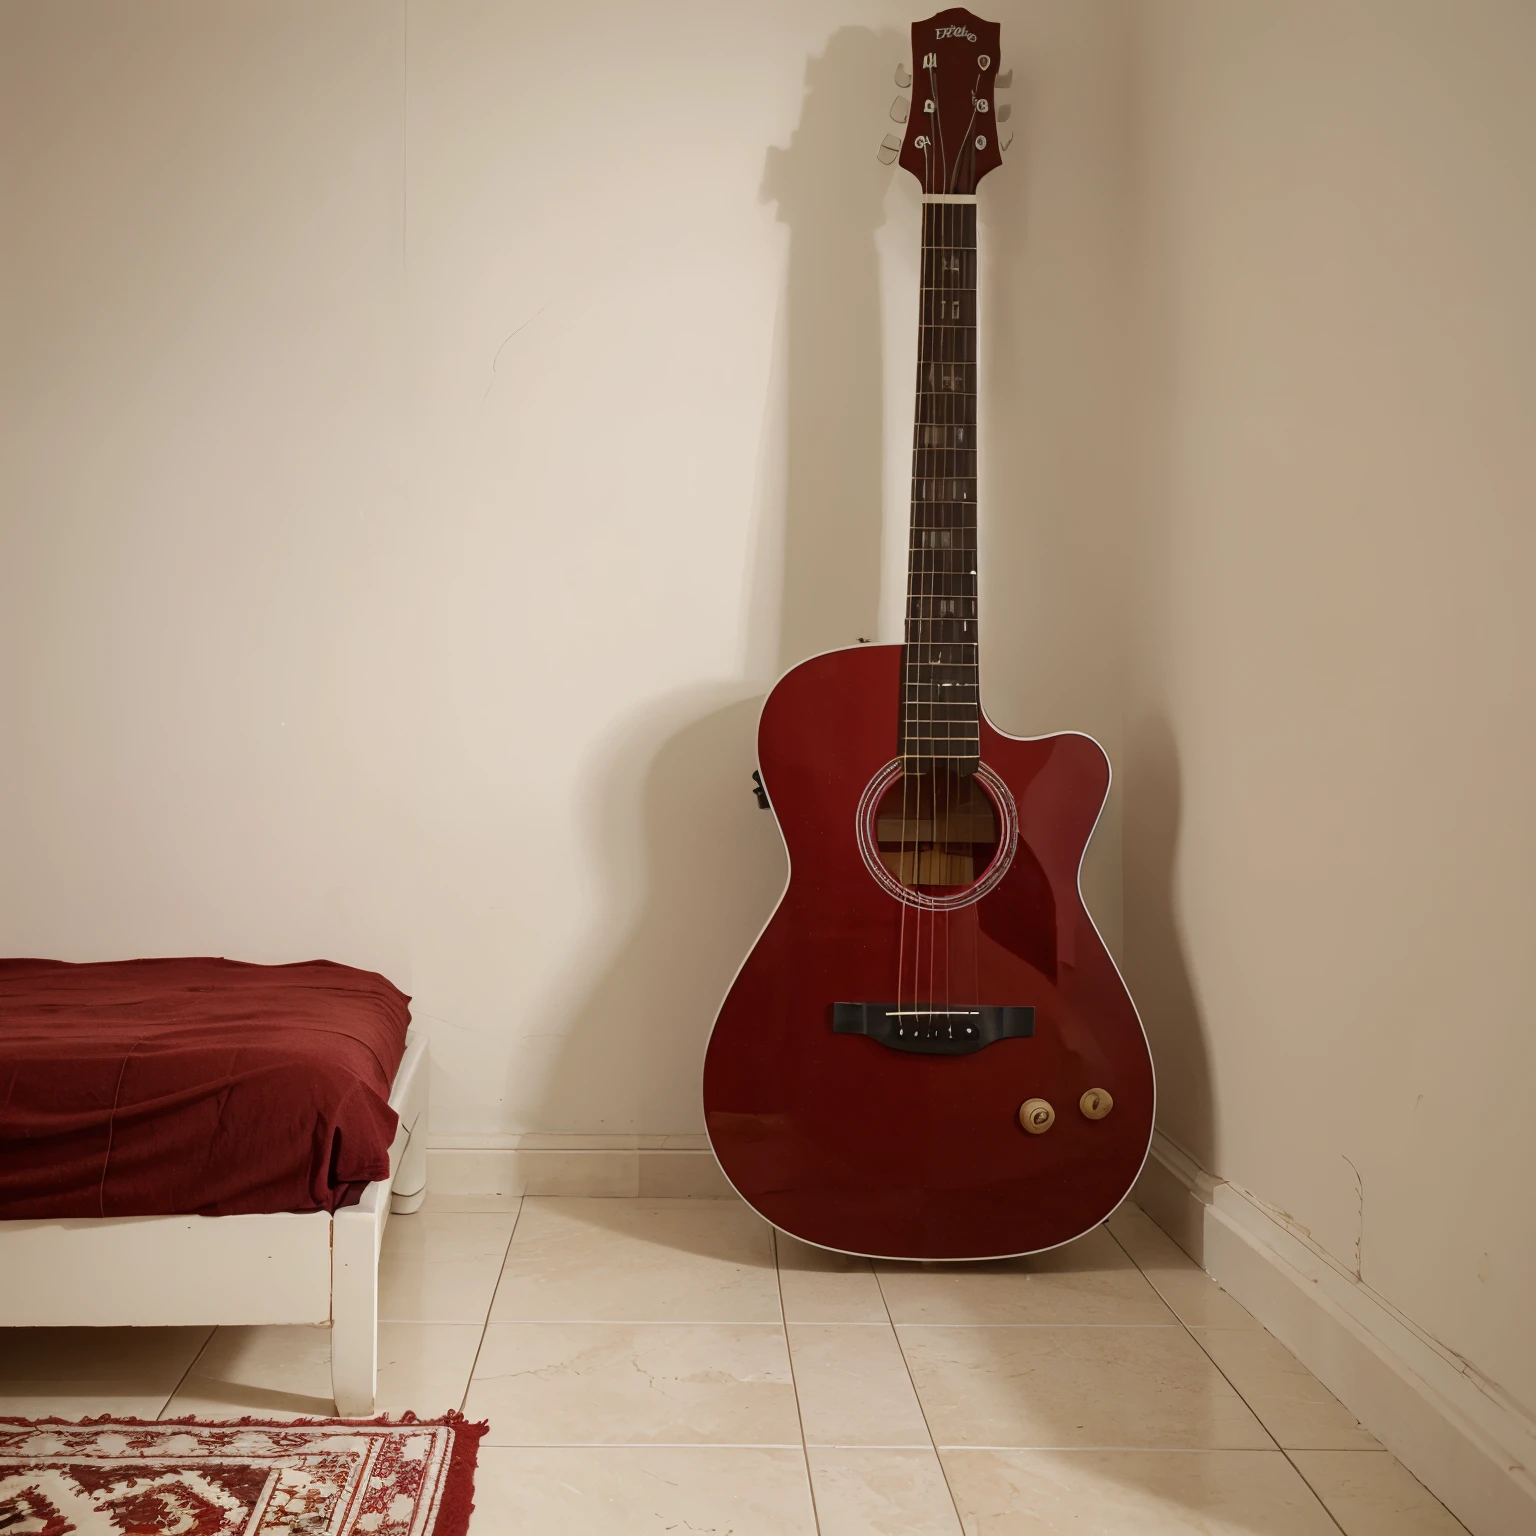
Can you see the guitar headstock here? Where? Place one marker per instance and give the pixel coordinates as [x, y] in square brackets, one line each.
[951, 138]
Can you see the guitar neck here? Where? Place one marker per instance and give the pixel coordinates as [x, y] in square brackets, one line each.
[941, 710]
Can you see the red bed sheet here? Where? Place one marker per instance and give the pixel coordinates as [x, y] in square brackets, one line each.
[168, 1087]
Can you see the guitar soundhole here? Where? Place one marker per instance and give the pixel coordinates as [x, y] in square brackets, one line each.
[937, 839]
[936, 832]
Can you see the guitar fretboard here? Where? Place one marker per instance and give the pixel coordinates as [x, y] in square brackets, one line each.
[941, 711]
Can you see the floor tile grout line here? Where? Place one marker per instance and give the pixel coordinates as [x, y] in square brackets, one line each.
[431, 1322]
[833, 1445]
[490, 1306]
[751, 1322]
[1142, 1271]
[1242, 1398]
[1328, 1450]
[794, 1383]
[906, 1365]
[1142, 1450]
[181, 1381]
[652, 1445]
[623, 1322]
[1308, 1481]
[1144, 1327]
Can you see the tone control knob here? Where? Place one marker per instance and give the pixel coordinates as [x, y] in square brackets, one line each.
[1036, 1116]
[1096, 1103]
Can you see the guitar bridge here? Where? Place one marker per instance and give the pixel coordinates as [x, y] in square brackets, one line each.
[933, 1031]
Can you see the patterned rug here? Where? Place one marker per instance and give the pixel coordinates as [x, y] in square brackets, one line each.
[318, 1477]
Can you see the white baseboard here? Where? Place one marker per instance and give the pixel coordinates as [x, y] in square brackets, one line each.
[546, 1164]
[1466, 1442]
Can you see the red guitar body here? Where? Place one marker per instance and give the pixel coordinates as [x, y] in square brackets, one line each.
[884, 1148]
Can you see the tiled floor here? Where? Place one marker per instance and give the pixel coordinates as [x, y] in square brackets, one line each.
[674, 1366]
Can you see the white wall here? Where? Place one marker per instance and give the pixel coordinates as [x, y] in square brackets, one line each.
[428, 433]
[1331, 845]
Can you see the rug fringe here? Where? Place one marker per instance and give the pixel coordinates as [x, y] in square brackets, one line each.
[452, 1419]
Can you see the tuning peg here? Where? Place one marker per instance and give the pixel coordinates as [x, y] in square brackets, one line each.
[903, 76]
[1004, 80]
[890, 147]
[899, 109]
[1004, 112]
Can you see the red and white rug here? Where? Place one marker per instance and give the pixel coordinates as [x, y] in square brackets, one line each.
[121, 1477]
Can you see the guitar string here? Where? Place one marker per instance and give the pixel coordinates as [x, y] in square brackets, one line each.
[930, 561]
[911, 799]
[954, 463]
[939, 856]
[938, 126]
[911, 790]
[974, 566]
[909, 661]
[935, 340]
[967, 142]
[964, 462]
[933, 218]
[938, 332]
[938, 302]
[966, 146]
[923, 711]
[938, 849]
[933, 235]
[954, 221]
[953, 781]
[953, 777]
[962, 350]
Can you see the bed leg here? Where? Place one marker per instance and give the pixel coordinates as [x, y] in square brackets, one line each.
[410, 1184]
[356, 1233]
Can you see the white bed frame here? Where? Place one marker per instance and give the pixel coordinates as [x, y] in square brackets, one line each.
[161, 1271]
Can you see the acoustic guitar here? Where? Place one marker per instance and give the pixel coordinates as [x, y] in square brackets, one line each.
[929, 1052]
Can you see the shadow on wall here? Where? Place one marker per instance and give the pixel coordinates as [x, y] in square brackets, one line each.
[690, 867]
[1157, 967]
[830, 190]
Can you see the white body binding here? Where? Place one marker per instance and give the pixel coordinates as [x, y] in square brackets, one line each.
[164, 1271]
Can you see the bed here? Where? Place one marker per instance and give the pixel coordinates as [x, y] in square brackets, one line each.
[205, 1142]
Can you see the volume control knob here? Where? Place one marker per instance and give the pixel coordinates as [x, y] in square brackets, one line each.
[1096, 1103]
[1036, 1116]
